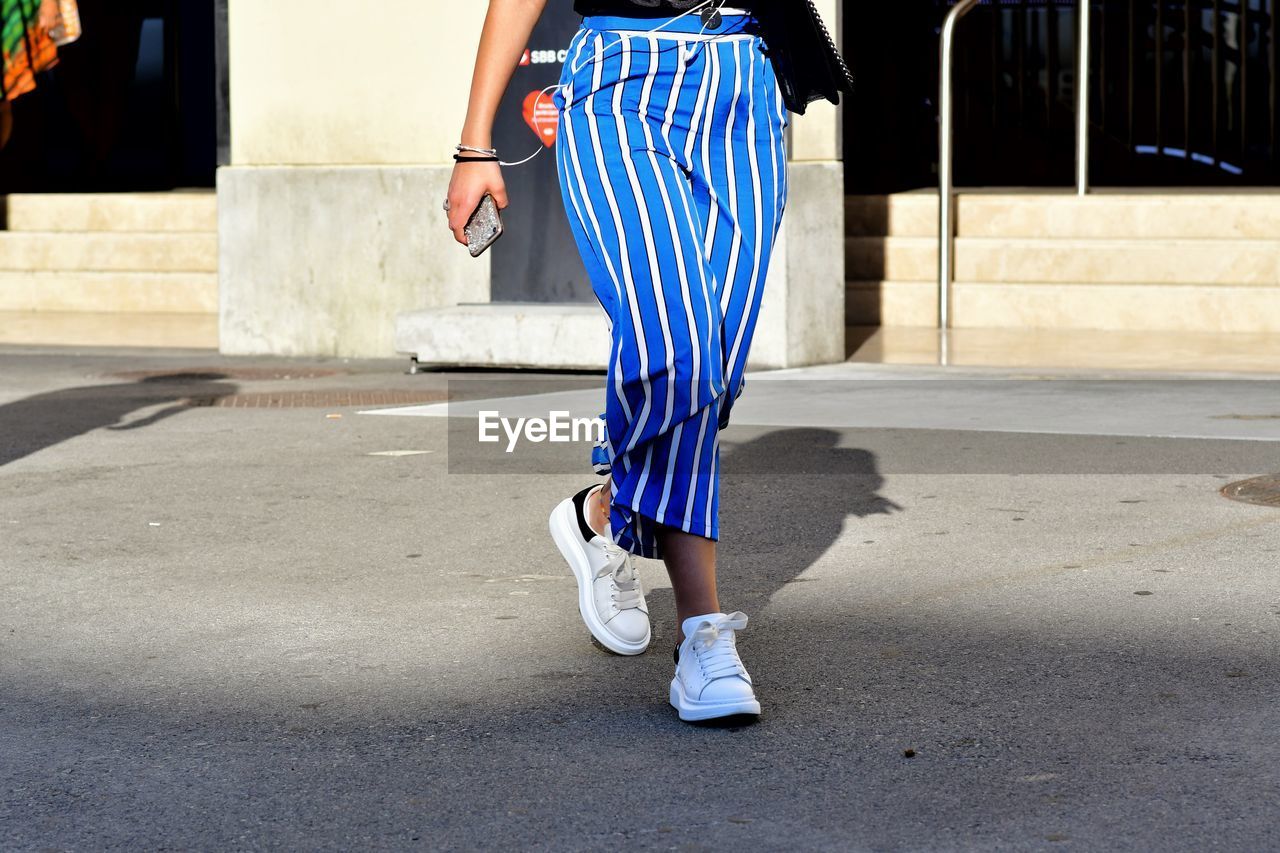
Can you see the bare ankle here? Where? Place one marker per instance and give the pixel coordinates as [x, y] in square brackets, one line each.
[598, 509]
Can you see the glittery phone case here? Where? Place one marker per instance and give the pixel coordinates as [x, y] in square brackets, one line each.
[484, 227]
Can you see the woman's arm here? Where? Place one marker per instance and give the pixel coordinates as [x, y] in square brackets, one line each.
[506, 32]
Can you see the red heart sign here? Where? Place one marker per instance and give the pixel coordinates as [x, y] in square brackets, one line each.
[541, 115]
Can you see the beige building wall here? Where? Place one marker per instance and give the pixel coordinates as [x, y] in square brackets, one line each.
[816, 136]
[323, 82]
[343, 123]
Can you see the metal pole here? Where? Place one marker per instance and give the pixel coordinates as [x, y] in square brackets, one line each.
[946, 180]
[1082, 102]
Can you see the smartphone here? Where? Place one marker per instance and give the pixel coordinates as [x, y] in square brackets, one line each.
[484, 227]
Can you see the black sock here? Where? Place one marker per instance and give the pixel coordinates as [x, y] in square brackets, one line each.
[580, 503]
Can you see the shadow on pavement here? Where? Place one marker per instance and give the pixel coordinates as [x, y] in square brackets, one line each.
[1024, 736]
[784, 531]
[785, 497]
[43, 420]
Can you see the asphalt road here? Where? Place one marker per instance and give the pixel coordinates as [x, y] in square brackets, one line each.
[231, 628]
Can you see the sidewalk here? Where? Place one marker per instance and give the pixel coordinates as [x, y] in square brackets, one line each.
[246, 626]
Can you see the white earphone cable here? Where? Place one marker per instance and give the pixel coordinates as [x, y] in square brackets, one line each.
[706, 20]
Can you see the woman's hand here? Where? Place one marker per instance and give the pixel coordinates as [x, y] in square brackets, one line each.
[469, 184]
[49, 16]
[507, 27]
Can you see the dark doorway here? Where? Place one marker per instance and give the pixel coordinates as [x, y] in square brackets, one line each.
[890, 119]
[130, 106]
[1184, 93]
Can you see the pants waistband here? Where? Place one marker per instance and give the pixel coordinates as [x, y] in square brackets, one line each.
[683, 26]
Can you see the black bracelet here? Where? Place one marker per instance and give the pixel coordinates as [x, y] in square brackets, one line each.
[458, 158]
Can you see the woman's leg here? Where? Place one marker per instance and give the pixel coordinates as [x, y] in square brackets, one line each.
[631, 208]
[675, 209]
[690, 562]
[672, 170]
[738, 170]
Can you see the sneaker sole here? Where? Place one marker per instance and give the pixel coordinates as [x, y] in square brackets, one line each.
[692, 711]
[564, 531]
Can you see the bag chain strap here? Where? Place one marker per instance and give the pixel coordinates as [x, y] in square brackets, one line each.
[844, 69]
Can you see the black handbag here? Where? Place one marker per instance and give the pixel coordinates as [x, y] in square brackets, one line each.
[805, 58]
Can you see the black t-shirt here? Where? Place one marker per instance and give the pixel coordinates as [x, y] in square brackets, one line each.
[644, 8]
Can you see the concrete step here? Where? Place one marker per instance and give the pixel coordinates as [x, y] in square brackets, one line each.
[564, 336]
[999, 259]
[167, 293]
[1108, 215]
[183, 210]
[911, 214]
[1066, 261]
[1162, 351]
[109, 329]
[507, 334]
[1109, 306]
[891, 303]
[107, 251]
[890, 258]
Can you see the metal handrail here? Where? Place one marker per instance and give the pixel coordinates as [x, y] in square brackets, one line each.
[946, 179]
[1082, 101]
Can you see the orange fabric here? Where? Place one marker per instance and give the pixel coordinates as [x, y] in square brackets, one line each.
[35, 53]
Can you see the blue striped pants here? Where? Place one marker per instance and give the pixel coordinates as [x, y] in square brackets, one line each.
[673, 170]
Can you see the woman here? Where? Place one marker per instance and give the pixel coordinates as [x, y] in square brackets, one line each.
[26, 49]
[673, 172]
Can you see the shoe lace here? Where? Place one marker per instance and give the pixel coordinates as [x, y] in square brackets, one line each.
[626, 580]
[716, 648]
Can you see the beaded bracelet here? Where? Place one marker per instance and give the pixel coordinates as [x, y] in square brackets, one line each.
[492, 152]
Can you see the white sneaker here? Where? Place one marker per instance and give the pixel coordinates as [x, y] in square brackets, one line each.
[710, 679]
[609, 594]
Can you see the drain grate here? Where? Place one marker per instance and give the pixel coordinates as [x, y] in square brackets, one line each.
[333, 398]
[1263, 491]
[246, 374]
